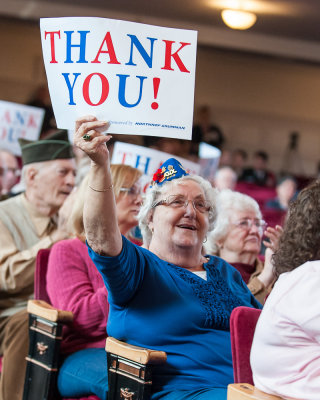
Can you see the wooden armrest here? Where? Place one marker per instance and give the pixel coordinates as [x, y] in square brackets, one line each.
[45, 310]
[245, 391]
[135, 353]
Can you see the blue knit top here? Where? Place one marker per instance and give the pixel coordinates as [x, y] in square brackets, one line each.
[161, 306]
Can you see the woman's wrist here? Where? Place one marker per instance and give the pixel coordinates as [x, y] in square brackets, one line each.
[265, 279]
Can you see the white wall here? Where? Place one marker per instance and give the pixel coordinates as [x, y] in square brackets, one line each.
[258, 101]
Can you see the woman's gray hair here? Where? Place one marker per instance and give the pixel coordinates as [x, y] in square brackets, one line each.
[227, 203]
[153, 193]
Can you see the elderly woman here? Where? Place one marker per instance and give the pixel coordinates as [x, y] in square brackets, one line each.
[237, 238]
[288, 330]
[74, 284]
[167, 297]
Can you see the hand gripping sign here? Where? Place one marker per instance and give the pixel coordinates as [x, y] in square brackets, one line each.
[138, 77]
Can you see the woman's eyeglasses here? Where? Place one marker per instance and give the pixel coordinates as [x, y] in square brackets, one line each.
[132, 191]
[176, 201]
[247, 223]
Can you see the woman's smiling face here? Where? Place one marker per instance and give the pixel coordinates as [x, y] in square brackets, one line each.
[182, 226]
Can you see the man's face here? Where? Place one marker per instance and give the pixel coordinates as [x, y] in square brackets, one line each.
[9, 171]
[259, 163]
[54, 181]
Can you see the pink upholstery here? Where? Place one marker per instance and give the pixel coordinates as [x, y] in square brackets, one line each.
[273, 217]
[260, 193]
[40, 291]
[243, 322]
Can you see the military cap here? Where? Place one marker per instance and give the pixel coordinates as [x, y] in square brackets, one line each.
[53, 147]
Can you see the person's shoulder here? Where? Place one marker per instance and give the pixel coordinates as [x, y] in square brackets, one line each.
[273, 203]
[72, 244]
[223, 266]
[297, 283]
[305, 271]
[11, 201]
[246, 173]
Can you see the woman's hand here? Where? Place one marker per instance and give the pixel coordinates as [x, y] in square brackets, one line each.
[273, 234]
[267, 276]
[95, 147]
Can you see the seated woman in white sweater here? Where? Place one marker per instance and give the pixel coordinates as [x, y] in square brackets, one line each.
[285, 354]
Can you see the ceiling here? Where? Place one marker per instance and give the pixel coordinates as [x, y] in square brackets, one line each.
[284, 28]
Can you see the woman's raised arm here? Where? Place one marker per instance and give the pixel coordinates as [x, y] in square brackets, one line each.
[99, 213]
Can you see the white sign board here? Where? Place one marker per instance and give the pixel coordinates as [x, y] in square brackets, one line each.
[209, 157]
[18, 121]
[147, 160]
[138, 77]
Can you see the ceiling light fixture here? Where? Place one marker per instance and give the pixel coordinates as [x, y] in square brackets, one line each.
[238, 19]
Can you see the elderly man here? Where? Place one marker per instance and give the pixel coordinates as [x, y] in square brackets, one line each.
[9, 172]
[225, 178]
[28, 222]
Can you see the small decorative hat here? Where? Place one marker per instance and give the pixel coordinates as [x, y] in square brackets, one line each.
[53, 147]
[169, 170]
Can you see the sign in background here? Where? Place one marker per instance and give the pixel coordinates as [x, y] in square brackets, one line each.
[18, 121]
[146, 160]
[138, 77]
[209, 157]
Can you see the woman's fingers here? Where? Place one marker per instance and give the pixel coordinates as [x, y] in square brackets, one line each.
[273, 234]
[267, 244]
[94, 127]
[81, 120]
[88, 137]
[88, 128]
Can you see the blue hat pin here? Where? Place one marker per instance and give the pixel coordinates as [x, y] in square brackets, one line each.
[169, 170]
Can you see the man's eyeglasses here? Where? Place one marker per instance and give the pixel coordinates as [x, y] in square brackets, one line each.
[132, 191]
[176, 201]
[247, 223]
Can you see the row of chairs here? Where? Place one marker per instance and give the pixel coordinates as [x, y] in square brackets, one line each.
[129, 367]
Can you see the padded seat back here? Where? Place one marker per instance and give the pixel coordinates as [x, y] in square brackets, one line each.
[243, 322]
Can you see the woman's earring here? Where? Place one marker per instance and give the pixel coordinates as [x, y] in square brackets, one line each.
[205, 239]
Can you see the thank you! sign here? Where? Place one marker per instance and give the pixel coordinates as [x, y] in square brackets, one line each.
[18, 121]
[138, 77]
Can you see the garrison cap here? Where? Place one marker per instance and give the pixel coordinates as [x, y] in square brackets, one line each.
[54, 147]
[169, 170]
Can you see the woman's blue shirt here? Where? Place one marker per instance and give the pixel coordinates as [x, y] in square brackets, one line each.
[161, 306]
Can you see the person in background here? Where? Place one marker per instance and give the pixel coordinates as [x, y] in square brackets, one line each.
[285, 353]
[225, 178]
[28, 222]
[74, 284]
[41, 98]
[167, 296]
[205, 131]
[286, 191]
[237, 238]
[9, 172]
[259, 174]
[239, 160]
[225, 158]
